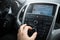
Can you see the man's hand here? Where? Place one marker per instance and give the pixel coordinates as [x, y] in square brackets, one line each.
[23, 33]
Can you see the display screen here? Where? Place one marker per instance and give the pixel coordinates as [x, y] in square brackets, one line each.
[42, 9]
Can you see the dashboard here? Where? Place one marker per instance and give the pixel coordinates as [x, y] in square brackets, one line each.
[40, 16]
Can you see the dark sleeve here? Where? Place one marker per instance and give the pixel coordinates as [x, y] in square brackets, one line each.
[15, 8]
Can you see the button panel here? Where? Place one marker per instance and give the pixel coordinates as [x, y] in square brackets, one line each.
[41, 23]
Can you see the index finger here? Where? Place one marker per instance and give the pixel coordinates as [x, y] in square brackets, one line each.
[22, 27]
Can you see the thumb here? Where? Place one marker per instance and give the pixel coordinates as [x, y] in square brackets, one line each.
[34, 35]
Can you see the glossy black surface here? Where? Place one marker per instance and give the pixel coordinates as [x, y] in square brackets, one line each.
[41, 24]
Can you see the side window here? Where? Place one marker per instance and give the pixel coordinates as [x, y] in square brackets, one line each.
[22, 13]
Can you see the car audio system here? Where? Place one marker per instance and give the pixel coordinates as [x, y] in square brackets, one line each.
[41, 17]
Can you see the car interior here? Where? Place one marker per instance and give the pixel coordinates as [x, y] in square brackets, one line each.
[8, 25]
